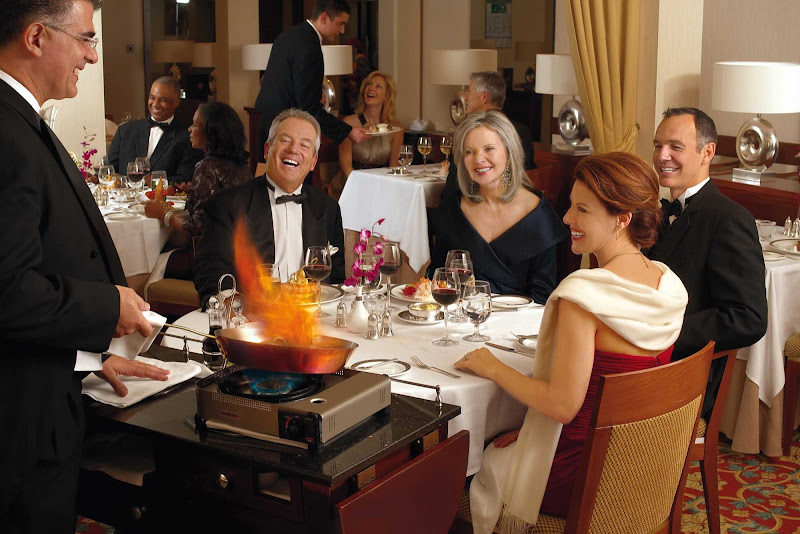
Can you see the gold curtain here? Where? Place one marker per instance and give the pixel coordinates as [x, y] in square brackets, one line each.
[604, 38]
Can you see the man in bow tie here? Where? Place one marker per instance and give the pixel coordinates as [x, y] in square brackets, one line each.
[159, 137]
[283, 217]
[710, 242]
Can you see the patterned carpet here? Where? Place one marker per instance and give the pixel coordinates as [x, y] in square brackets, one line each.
[757, 494]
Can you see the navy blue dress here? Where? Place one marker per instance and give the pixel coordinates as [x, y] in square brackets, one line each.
[521, 261]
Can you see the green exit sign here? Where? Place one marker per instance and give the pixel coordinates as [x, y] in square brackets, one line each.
[499, 8]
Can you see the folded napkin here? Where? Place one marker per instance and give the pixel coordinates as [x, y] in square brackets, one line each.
[139, 388]
[132, 345]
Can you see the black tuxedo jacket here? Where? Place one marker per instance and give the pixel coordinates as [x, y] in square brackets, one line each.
[322, 224]
[293, 79]
[57, 269]
[713, 247]
[173, 153]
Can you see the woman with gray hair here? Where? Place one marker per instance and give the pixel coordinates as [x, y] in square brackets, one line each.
[510, 229]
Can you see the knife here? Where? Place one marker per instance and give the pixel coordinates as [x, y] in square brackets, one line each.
[511, 349]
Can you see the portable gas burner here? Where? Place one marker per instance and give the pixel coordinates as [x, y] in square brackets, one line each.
[306, 411]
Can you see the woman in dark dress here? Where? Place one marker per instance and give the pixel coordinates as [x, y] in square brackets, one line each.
[510, 229]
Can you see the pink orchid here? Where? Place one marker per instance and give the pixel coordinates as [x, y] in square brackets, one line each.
[360, 248]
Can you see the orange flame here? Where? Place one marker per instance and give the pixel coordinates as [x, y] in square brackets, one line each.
[281, 312]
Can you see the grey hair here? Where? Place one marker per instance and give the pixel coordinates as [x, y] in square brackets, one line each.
[170, 82]
[292, 113]
[492, 83]
[497, 122]
[703, 124]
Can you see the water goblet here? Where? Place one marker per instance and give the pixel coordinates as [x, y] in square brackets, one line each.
[135, 175]
[457, 254]
[445, 292]
[318, 267]
[424, 147]
[367, 265]
[375, 303]
[464, 269]
[445, 146]
[106, 176]
[405, 157]
[477, 297]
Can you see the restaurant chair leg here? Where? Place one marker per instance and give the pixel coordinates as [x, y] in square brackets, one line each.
[708, 473]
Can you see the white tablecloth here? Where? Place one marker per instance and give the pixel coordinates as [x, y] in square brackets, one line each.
[139, 242]
[371, 194]
[765, 358]
[486, 409]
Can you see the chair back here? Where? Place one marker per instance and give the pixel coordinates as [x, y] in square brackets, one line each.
[635, 460]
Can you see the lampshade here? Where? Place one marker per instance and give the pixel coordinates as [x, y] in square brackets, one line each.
[173, 51]
[453, 67]
[756, 87]
[255, 56]
[555, 75]
[338, 59]
[204, 54]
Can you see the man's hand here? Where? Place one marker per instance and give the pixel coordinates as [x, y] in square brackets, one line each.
[154, 210]
[358, 135]
[115, 366]
[131, 319]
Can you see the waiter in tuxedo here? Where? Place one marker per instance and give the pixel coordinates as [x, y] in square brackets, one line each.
[61, 282]
[160, 137]
[283, 216]
[295, 72]
[709, 241]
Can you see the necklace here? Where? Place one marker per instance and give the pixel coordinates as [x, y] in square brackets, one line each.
[639, 253]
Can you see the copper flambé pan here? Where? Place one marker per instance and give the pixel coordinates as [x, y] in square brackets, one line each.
[250, 346]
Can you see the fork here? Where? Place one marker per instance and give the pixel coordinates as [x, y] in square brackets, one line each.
[422, 365]
[523, 337]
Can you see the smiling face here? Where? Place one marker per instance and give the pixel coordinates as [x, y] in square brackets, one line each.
[66, 55]
[292, 154]
[375, 91]
[162, 102]
[591, 226]
[485, 158]
[197, 132]
[675, 156]
[332, 28]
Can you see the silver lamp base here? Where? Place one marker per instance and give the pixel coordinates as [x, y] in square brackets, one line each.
[328, 95]
[752, 176]
[572, 123]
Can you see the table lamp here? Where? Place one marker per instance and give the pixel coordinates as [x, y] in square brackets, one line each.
[338, 60]
[173, 52]
[256, 56]
[453, 67]
[555, 75]
[756, 87]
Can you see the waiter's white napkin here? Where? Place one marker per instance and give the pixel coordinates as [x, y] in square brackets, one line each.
[128, 346]
[139, 388]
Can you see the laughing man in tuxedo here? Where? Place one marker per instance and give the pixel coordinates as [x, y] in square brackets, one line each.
[709, 241]
[295, 71]
[160, 137]
[61, 281]
[282, 216]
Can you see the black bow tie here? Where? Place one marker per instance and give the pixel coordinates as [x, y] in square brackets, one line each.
[290, 198]
[162, 125]
[671, 208]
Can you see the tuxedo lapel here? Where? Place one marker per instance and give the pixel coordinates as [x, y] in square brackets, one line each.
[141, 143]
[675, 233]
[162, 146]
[258, 220]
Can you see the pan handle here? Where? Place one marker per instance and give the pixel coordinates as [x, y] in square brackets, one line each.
[193, 331]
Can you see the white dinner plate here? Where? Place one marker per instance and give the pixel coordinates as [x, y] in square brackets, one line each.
[406, 317]
[327, 294]
[429, 178]
[528, 343]
[122, 216]
[389, 369]
[510, 301]
[397, 293]
[787, 245]
[391, 130]
[349, 290]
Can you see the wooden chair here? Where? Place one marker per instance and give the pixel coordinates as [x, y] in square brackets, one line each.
[791, 352]
[420, 496]
[706, 444]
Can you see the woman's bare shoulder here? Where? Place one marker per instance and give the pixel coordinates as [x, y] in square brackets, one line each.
[352, 120]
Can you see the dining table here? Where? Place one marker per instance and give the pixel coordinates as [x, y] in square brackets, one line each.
[754, 405]
[486, 410]
[402, 202]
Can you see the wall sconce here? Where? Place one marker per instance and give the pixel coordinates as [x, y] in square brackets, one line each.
[555, 75]
[756, 87]
[453, 67]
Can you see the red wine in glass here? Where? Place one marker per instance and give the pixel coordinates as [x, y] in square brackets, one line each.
[317, 272]
[389, 267]
[463, 275]
[445, 295]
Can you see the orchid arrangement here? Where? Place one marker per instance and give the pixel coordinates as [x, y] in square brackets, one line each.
[85, 165]
[360, 248]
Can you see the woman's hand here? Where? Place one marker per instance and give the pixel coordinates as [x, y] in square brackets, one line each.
[505, 439]
[481, 362]
[183, 186]
[155, 210]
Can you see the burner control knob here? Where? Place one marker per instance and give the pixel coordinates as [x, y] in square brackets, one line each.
[222, 480]
[294, 428]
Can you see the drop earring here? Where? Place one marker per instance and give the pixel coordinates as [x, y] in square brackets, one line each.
[507, 176]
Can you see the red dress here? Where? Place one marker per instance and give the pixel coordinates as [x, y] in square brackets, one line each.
[573, 435]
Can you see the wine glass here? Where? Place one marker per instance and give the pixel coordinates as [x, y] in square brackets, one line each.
[368, 264]
[106, 176]
[144, 165]
[445, 146]
[457, 254]
[424, 148]
[405, 157]
[135, 175]
[318, 267]
[459, 259]
[268, 276]
[445, 292]
[391, 264]
[477, 296]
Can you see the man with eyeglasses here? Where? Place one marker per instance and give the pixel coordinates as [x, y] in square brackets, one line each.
[61, 282]
[160, 137]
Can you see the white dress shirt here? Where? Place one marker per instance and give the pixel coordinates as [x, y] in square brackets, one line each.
[84, 361]
[156, 133]
[287, 227]
[316, 30]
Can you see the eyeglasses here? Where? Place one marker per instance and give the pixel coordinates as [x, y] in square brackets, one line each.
[91, 41]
